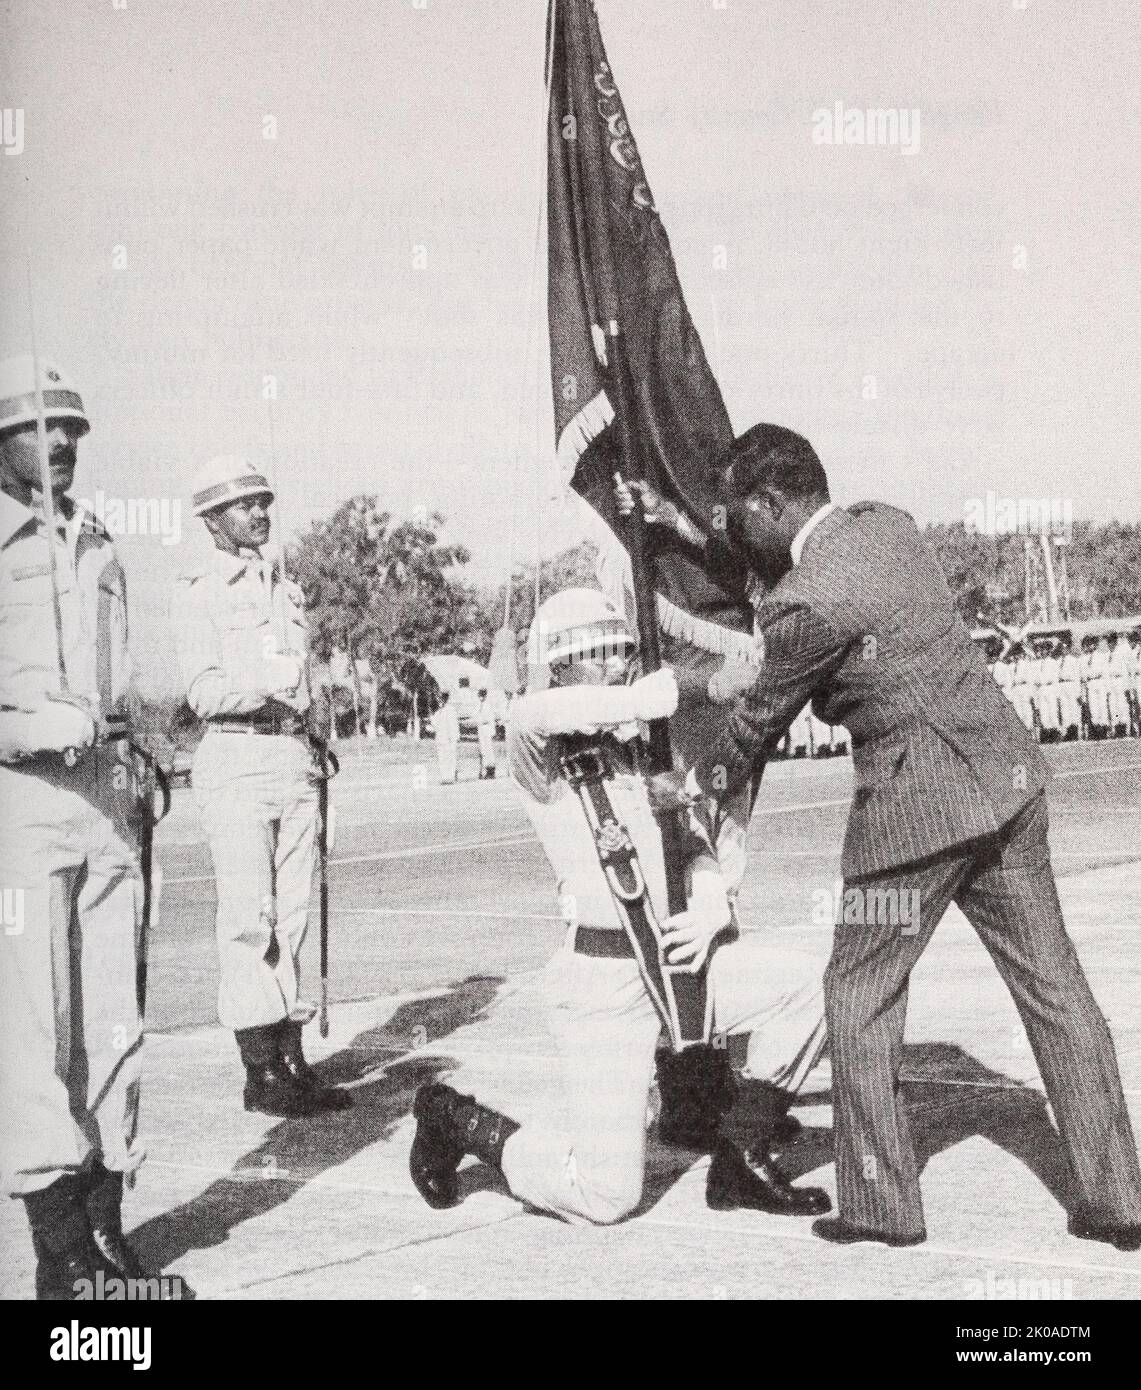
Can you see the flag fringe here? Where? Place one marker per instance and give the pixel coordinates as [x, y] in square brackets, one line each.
[616, 580]
[578, 432]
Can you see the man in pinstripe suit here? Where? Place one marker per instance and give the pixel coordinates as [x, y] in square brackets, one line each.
[949, 806]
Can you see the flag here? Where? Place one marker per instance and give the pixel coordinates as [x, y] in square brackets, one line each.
[610, 261]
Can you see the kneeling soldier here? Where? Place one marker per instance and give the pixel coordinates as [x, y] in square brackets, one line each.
[243, 644]
[600, 1010]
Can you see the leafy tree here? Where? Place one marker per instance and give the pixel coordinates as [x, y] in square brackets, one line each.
[383, 590]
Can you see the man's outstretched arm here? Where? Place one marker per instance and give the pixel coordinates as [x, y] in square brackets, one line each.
[801, 652]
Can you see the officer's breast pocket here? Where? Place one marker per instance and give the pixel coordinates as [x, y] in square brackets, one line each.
[245, 631]
[30, 585]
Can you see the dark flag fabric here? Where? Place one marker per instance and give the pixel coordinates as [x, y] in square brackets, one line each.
[609, 261]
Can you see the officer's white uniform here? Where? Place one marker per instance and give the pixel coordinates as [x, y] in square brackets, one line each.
[446, 728]
[587, 1164]
[1095, 669]
[1021, 692]
[253, 776]
[70, 1033]
[485, 728]
[1046, 698]
[1070, 691]
[1118, 675]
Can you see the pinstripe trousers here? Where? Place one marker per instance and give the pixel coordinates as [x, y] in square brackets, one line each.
[1004, 885]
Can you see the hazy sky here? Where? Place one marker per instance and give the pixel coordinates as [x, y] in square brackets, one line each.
[418, 123]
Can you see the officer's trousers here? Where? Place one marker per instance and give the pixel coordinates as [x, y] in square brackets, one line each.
[590, 1168]
[1069, 703]
[486, 747]
[1046, 702]
[447, 754]
[257, 796]
[70, 1032]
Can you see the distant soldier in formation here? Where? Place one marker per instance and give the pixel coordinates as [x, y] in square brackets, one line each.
[71, 1035]
[1046, 697]
[1023, 681]
[243, 648]
[1118, 674]
[1135, 677]
[446, 730]
[1095, 673]
[1069, 689]
[485, 730]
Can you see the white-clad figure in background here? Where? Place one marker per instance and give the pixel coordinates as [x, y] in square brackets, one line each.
[1069, 689]
[1117, 685]
[446, 727]
[485, 730]
[1095, 669]
[1022, 685]
[1046, 700]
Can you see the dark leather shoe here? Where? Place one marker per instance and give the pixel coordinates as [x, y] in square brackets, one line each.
[751, 1178]
[1124, 1237]
[436, 1148]
[61, 1273]
[271, 1090]
[839, 1232]
[293, 1058]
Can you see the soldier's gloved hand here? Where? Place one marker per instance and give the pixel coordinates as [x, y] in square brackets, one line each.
[59, 725]
[655, 695]
[666, 791]
[281, 675]
[689, 935]
[733, 678]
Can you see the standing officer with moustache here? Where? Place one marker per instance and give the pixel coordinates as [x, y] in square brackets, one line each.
[243, 647]
[70, 1033]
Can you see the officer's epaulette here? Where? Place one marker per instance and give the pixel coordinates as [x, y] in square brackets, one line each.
[192, 574]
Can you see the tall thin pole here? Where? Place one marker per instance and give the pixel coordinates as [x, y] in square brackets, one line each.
[48, 502]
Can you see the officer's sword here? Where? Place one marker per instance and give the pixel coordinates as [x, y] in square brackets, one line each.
[71, 755]
[46, 488]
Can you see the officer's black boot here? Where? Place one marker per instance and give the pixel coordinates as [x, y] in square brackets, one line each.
[270, 1086]
[66, 1253]
[104, 1205]
[290, 1051]
[448, 1126]
[696, 1087]
[743, 1172]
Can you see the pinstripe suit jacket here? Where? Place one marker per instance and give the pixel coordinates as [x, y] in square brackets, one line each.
[865, 626]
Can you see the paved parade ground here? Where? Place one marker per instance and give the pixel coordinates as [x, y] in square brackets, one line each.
[443, 913]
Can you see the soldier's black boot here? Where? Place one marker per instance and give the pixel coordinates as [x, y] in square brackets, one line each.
[104, 1205]
[448, 1126]
[743, 1173]
[66, 1254]
[290, 1050]
[270, 1087]
[697, 1088]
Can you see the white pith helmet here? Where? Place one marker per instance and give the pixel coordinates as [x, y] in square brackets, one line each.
[578, 622]
[225, 479]
[18, 393]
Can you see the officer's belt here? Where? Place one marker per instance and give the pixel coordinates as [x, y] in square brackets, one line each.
[603, 943]
[680, 996]
[279, 724]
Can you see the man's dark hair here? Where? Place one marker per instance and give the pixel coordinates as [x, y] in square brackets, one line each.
[771, 456]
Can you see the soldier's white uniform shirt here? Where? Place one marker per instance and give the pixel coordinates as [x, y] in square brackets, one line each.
[69, 843]
[230, 614]
[256, 792]
[587, 1162]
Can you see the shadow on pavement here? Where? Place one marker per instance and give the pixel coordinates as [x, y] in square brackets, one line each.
[296, 1151]
[950, 1097]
